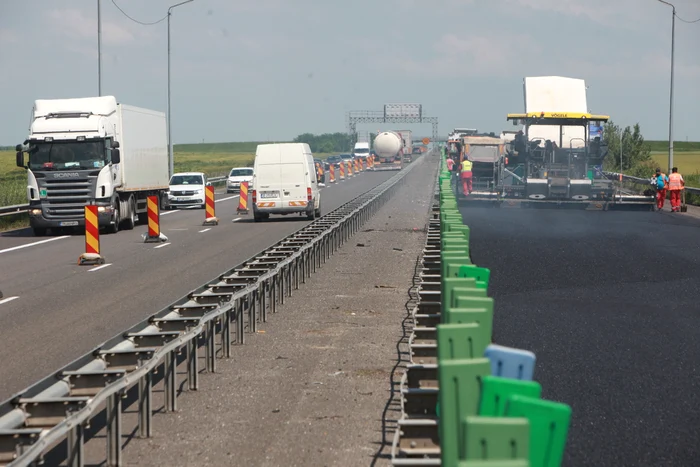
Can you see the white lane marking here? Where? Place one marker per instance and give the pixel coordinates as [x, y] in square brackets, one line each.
[205, 230]
[8, 299]
[169, 212]
[161, 246]
[226, 199]
[7, 250]
[99, 267]
[237, 219]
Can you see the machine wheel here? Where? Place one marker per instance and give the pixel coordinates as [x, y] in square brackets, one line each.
[39, 231]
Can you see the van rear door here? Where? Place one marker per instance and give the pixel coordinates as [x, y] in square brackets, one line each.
[268, 179]
[293, 182]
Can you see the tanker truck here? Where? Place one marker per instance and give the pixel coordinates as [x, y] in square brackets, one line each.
[389, 148]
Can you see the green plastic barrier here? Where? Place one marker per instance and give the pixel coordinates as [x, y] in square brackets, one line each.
[481, 316]
[549, 427]
[459, 382]
[451, 264]
[471, 271]
[460, 341]
[495, 463]
[496, 438]
[496, 391]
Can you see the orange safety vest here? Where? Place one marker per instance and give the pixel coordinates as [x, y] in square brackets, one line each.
[674, 182]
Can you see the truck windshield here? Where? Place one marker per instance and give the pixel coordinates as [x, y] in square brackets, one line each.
[60, 155]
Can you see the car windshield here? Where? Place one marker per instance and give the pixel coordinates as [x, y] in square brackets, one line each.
[186, 180]
[346, 156]
[240, 172]
[334, 159]
[73, 155]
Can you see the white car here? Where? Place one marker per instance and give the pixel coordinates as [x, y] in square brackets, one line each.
[236, 177]
[187, 189]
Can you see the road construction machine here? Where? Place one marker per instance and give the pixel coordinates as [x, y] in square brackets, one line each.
[527, 170]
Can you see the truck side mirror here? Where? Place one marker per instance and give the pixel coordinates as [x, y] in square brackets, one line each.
[116, 156]
[20, 157]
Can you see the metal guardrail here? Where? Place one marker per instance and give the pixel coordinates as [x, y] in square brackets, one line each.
[23, 208]
[61, 406]
[645, 181]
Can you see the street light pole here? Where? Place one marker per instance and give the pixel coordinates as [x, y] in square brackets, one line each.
[99, 48]
[670, 111]
[621, 134]
[170, 138]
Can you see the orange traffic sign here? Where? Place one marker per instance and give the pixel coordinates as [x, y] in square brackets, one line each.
[426, 140]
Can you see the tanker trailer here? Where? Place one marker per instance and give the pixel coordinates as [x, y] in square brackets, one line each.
[388, 146]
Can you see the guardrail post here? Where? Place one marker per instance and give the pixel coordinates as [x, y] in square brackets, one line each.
[146, 405]
[211, 346]
[252, 321]
[240, 322]
[76, 441]
[170, 382]
[226, 333]
[263, 299]
[114, 430]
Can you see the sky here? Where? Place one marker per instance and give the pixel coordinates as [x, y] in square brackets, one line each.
[260, 70]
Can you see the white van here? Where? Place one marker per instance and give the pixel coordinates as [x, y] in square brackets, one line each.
[284, 181]
[361, 150]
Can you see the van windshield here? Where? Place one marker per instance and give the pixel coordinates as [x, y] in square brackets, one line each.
[361, 151]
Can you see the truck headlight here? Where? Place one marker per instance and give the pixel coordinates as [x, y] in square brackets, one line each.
[101, 209]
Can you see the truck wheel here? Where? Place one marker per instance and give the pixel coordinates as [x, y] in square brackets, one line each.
[39, 231]
[114, 228]
[131, 220]
[311, 215]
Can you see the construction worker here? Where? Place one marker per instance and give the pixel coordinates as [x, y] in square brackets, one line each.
[661, 183]
[466, 175]
[675, 185]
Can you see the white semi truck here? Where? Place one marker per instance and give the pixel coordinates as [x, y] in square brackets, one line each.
[389, 148]
[93, 151]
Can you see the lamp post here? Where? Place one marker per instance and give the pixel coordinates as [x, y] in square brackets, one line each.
[99, 49]
[170, 138]
[670, 111]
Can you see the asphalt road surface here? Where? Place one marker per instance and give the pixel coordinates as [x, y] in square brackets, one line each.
[54, 310]
[608, 301]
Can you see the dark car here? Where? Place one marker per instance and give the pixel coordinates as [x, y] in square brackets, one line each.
[335, 160]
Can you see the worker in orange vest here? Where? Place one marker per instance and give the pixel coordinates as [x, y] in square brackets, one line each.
[675, 185]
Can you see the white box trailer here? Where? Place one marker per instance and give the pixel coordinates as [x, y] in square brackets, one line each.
[93, 151]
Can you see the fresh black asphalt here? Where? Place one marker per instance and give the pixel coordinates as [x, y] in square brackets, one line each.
[608, 301]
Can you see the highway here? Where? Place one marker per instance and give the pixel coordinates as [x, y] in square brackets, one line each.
[608, 301]
[63, 310]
